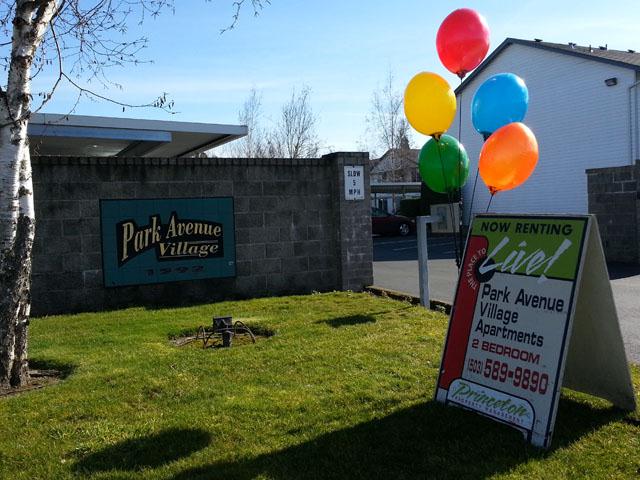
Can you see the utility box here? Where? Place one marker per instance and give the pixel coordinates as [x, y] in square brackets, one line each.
[449, 217]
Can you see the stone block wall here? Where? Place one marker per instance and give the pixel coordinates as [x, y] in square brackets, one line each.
[614, 197]
[352, 226]
[295, 232]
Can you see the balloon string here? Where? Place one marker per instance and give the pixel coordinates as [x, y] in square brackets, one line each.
[489, 204]
[473, 194]
[460, 200]
[475, 182]
[450, 201]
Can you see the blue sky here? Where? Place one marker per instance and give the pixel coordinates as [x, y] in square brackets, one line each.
[341, 49]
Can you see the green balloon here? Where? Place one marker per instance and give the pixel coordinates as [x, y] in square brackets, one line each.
[444, 164]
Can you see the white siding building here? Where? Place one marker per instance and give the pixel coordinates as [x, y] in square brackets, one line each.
[580, 121]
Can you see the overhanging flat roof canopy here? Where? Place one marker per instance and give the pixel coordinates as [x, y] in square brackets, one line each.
[396, 187]
[81, 135]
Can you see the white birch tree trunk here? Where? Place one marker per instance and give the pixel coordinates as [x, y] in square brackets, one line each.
[17, 219]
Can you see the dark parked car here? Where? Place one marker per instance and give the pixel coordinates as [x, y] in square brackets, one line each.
[383, 223]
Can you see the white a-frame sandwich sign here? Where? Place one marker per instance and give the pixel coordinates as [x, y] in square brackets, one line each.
[533, 312]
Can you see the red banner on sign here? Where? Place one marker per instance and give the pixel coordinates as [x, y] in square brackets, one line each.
[462, 316]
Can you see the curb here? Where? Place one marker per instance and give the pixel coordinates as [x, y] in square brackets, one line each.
[437, 305]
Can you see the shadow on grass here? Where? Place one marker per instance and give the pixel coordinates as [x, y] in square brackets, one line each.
[146, 452]
[348, 320]
[425, 441]
[45, 364]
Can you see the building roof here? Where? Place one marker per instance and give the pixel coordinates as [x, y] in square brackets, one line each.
[627, 59]
[80, 135]
[409, 152]
[396, 187]
[379, 165]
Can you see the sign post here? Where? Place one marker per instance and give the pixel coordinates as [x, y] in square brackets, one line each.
[533, 307]
[423, 258]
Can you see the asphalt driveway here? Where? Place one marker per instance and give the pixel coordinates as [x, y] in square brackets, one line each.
[395, 266]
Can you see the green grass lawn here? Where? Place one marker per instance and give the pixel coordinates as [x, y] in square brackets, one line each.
[344, 390]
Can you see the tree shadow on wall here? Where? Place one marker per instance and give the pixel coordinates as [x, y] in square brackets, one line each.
[424, 441]
[146, 452]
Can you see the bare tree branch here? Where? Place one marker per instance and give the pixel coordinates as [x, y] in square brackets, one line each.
[254, 144]
[388, 126]
[294, 135]
[257, 6]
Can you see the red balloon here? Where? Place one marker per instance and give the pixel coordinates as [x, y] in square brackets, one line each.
[462, 41]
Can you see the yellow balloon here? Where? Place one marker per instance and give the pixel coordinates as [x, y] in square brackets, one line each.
[429, 103]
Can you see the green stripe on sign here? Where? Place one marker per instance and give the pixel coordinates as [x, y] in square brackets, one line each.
[532, 246]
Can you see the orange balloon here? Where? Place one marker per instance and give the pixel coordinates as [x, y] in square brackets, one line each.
[508, 157]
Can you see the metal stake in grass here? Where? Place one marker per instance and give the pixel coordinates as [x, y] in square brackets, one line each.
[221, 328]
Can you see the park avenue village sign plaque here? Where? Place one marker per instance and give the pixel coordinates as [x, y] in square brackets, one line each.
[533, 311]
[148, 241]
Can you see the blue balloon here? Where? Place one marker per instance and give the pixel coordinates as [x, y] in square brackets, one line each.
[500, 100]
